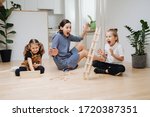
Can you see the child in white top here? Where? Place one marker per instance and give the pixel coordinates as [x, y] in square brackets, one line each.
[112, 56]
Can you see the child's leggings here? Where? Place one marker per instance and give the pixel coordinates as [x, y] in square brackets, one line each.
[17, 72]
[113, 69]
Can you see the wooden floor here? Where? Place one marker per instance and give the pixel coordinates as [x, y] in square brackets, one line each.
[54, 84]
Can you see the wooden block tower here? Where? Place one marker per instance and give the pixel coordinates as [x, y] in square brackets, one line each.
[89, 60]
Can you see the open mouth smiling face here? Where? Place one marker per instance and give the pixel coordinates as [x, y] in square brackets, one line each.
[67, 34]
[67, 29]
[109, 42]
[110, 39]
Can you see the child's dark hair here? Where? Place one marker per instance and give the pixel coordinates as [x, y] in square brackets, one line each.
[34, 41]
[114, 32]
[62, 23]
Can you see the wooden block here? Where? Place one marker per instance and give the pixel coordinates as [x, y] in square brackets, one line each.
[30, 74]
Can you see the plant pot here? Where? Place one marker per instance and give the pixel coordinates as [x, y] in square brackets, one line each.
[139, 61]
[5, 55]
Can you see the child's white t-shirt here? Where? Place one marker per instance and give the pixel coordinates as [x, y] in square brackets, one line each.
[117, 49]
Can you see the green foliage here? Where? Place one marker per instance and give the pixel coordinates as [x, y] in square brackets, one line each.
[5, 27]
[139, 39]
[92, 23]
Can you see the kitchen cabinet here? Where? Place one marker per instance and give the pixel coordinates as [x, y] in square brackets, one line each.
[25, 4]
[45, 4]
[30, 5]
[20, 2]
[59, 7]
[56, 5]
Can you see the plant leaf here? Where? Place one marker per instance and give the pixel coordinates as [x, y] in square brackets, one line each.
[12, 32]
[147, 34]
[2, 17]
[1, 24]
[129, 29]
[9, 25]
[8, 12]
[90, 18]
[144, 24]
[2, 42]
[2, 33]
[9, 41]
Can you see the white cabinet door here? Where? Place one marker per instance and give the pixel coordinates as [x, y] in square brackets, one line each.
[45, 4]
[59, 7]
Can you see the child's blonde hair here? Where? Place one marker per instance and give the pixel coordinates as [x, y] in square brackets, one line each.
[34, 41]
[114, 32]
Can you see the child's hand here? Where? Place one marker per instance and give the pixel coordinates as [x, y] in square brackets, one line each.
[36, 65]
[53, 51]
[101, 52]
[86, 28]
[111, 52]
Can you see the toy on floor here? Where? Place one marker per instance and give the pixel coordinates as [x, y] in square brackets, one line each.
[30, 74]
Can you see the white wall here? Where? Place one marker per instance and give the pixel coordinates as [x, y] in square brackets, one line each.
[127, 12]
[70, 13]
[54, 19]
[28, 25]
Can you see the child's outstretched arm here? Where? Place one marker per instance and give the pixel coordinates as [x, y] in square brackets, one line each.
[30, 64]
[86, 28]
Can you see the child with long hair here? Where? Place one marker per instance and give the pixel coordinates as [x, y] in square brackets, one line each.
[112, 56]
[63, 57]
[32, 57]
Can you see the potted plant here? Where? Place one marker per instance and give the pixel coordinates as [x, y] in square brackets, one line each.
[139, 40]
[92, 24]
[6, 32]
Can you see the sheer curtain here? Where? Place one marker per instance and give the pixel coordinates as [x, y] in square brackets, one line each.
[100, 20]
[86, 7]
[96, 9]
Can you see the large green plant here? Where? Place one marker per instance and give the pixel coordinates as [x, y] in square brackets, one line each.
[5, 27]
[138, 39]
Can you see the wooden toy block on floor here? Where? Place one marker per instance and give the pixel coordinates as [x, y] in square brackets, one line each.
[89, 60]
[30, 74]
